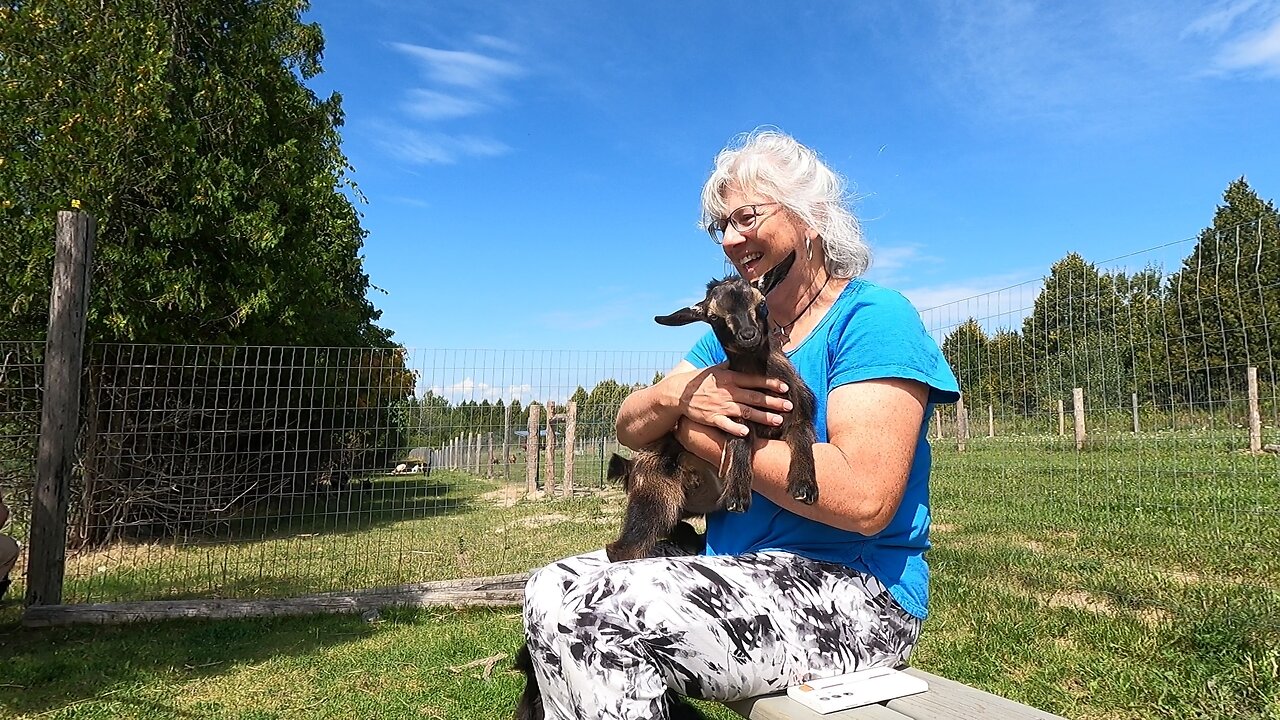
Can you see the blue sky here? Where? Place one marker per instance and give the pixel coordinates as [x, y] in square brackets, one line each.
[532, 170]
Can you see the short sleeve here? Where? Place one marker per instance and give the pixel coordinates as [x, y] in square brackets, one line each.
[883, 337]
[706, 352]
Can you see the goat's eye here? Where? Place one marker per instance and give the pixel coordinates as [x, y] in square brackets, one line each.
[764, 310]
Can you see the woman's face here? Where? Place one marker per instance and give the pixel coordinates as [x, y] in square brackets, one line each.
[769, 233]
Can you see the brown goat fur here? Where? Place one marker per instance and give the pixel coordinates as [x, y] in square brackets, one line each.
[664, 482]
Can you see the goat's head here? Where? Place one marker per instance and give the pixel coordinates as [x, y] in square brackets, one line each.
[735, 308]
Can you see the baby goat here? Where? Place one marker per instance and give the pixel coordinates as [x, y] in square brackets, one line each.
[664, 483]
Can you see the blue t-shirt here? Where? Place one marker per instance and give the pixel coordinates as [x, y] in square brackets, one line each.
[871, 332]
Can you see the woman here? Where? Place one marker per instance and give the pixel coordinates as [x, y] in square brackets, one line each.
[786, 591]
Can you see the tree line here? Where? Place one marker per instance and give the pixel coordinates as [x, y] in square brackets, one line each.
[1180, 339]
[432, 420]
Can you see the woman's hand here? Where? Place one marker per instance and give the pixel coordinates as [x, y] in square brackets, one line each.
[716, 397]
[721, 398]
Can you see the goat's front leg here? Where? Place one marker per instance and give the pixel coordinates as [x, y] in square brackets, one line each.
[737, 481]
[802, 476]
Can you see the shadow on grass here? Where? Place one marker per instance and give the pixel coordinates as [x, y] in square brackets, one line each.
[294, 546]
[358, 508]
[49, 669]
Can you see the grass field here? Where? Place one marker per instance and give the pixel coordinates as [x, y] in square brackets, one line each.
[1123, 581]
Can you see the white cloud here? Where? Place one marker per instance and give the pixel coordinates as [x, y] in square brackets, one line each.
[464, 84]
[1080, 68]
[468, 389]
[462, 68]
[998, 302]
[497, 43]
[1218, 21]
[1244, 37]
[895, 265]
[1255, 51]
[587, 318]
[437, 148]
[433, 105]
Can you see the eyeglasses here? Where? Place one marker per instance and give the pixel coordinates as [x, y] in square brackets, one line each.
[744, 219]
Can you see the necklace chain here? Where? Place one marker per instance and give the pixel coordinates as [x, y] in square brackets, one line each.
[782, 331]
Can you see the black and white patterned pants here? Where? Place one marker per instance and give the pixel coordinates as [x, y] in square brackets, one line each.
[608, 640]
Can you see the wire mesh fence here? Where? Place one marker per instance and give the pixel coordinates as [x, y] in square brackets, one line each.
[1110, 399]
[1115, 452]
[1162, 388]
[21, 365]
[266, 471]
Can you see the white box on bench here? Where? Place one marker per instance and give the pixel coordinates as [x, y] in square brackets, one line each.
[855, 689]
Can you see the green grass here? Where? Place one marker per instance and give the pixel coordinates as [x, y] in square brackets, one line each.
[392, 531]
[1135, 579]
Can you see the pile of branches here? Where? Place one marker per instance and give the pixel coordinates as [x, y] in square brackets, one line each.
[21, 369]
[184, 446]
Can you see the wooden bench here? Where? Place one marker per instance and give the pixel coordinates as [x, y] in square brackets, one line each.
[945, 700]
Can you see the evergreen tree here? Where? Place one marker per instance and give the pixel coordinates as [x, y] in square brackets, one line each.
[215, 175]
[966, 351]
[1074, 315]
[1005, 378]
[1224, 300]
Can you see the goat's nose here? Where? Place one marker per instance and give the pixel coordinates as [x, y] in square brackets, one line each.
[748, 334]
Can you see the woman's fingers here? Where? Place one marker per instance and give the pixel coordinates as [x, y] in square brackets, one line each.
[727, 400]
[761, 382]
[765, 401]
[758, 415]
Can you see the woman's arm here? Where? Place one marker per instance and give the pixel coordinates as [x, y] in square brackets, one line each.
[873, 427]
[716, 397]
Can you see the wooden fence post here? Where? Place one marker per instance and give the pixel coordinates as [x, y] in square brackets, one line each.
[531, 451]
[962, 424]
[1135, 413]
[1255, 413]
[937, 423]
[570, 447]
[1077, 402]
[60, 411]
[488, 466]
[550, 484]
[506, 442]
[991, 420]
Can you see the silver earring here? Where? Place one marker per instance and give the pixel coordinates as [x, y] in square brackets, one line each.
[808, 246]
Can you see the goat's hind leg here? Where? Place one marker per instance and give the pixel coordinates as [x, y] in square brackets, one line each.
[529, 707]
[802, 476]
[653, 509]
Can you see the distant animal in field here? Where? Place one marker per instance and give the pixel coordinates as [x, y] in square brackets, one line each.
[665, 483]
[400, 468]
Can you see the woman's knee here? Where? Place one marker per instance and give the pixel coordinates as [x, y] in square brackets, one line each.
[545, 591]
[9, 552]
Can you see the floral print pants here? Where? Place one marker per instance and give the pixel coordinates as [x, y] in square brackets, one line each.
[608, 639]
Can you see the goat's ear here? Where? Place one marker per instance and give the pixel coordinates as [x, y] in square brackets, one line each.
[619, 468]
[776, 275]
[691, 314]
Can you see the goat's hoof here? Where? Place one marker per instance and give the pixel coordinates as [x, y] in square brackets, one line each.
[620, 553]
[807, 495]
